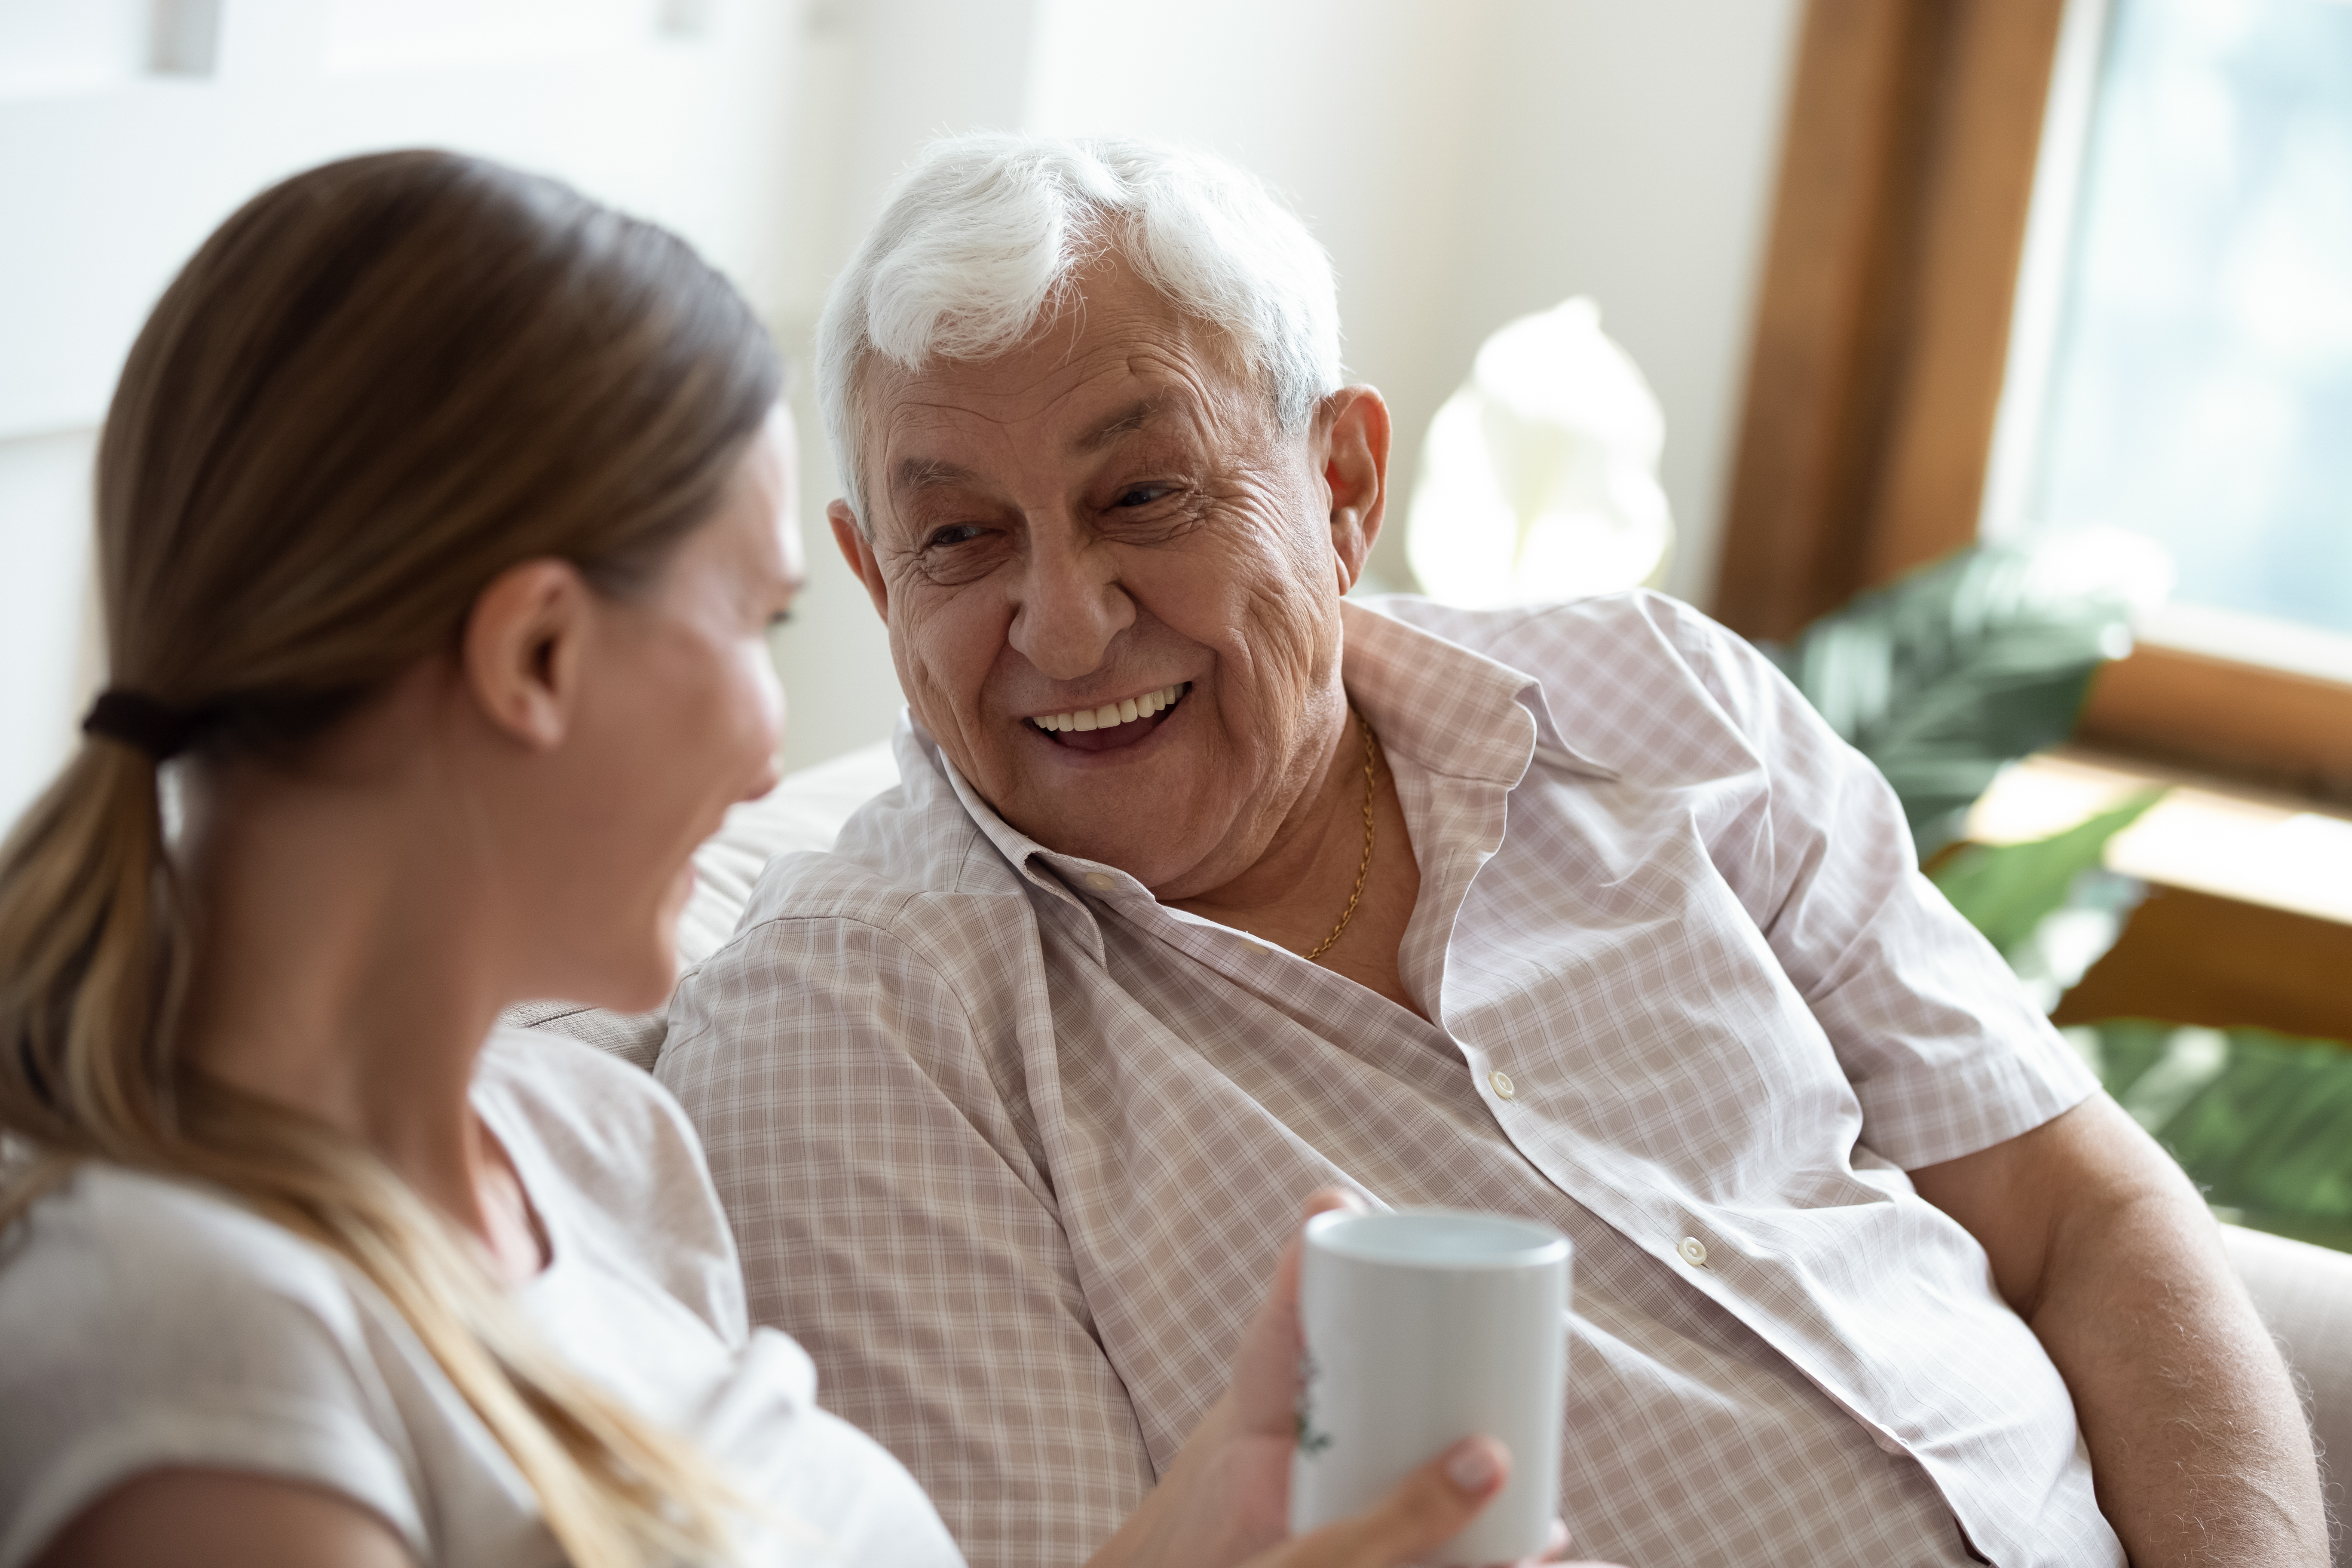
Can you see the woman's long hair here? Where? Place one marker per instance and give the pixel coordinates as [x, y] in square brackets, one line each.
[379, 385]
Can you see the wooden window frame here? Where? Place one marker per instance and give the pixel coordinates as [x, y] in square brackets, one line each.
[1882, 337]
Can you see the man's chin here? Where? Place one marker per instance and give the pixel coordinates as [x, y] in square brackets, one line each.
[1146, 808]
[1145, 834]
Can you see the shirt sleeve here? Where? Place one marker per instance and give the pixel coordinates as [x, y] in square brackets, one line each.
[185, 1335]
[891, 1217]
[1943, 1047]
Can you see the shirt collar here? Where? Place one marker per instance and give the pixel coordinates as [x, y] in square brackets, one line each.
[1056, 875]
[1447, 708]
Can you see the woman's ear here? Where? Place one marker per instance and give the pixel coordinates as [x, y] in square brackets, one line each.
[522, 649]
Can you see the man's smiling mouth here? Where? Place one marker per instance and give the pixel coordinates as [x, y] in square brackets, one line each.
[1113, 724]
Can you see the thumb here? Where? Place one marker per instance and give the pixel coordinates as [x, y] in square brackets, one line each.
[1265, 1384]
[1427, 1507]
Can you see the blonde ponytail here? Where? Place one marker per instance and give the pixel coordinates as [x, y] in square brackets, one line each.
[93, 956]
[379, 384]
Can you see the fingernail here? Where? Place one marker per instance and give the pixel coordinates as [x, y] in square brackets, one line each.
[1471, 1466]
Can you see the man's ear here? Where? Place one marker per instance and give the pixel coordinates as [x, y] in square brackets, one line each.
[1356, 474]
[522, 650]
[858, 551]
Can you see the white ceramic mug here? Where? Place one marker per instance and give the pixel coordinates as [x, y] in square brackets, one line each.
[1423, 1327]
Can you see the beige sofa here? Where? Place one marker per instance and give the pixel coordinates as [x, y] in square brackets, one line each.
[2305, 1293]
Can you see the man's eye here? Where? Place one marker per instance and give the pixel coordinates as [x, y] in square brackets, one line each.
[956, 534]
[1141, 495]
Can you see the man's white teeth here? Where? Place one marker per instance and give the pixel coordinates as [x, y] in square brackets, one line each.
[1110, 713]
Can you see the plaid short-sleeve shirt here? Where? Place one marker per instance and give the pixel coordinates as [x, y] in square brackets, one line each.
[1010, 1147]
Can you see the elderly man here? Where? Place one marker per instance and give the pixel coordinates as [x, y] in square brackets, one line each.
[1204, 887]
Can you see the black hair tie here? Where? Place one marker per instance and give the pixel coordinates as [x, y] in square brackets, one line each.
[142, 722]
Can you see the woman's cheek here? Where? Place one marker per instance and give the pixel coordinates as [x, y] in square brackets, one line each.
[760, 704]
[767, 697]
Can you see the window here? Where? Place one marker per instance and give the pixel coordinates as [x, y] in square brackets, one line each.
[2195, 395]
[2177, 361]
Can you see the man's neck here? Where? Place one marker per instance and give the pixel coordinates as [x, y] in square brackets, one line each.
[1297, 892]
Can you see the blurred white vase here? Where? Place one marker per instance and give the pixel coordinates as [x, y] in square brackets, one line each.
[1538, 478]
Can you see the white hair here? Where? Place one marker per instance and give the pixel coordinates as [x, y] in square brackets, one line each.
[981, 237]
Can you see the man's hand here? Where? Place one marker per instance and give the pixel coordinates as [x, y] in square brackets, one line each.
[2198, 1448]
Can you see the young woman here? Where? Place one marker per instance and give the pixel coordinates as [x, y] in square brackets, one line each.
[441, 513]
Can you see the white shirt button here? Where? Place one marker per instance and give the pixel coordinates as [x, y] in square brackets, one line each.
[1694, 1251]
[1101, 881]
[1503, 1088]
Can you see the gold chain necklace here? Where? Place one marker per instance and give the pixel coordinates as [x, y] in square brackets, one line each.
[1364, 866]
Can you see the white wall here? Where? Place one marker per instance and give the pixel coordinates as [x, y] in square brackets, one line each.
[1465, 161]
[44, 553]
[112, 170]
[1630, 154]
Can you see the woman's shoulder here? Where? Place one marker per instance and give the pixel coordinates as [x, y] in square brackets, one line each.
[122, 1291]
[147, 1322]
[570, 1080]
[614, 1165]
[112, 1247]
[613, 1133]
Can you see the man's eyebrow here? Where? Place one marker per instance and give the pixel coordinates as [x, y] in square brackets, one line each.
[924, 474]
[1126, 422]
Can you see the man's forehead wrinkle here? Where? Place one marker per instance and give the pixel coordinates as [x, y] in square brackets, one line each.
[1203, 377]
[1144, 392]
[1009, 391]
[1127, 421]
[919, 422]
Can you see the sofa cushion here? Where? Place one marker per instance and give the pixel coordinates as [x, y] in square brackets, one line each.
[2304, 1296]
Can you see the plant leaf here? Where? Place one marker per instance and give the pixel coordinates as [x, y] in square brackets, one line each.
[1963, 666]
[2265, 1135]
[2004, 890]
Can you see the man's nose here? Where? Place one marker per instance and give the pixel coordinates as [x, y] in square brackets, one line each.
[1069, 605]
